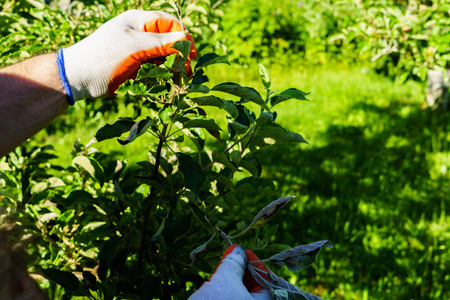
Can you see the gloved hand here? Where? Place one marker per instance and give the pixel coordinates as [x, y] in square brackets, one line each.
[232, 280]
[100, 63]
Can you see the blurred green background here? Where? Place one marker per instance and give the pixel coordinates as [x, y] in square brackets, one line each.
[374, 178]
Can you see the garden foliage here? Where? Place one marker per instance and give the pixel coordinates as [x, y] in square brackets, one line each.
[104, 229]
[402, 39]
[374, 179]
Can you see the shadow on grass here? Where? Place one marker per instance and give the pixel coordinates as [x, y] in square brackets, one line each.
[377, 192]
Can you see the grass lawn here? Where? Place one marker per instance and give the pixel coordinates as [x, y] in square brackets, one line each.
[374, 178]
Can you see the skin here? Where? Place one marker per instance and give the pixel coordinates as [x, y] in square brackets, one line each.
[31, 97]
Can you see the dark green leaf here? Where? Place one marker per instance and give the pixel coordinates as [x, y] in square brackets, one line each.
[288, 94]
[138, 129]
[200, 215]
[221, 158]
[197, 137]
[200, 248]
[110, 249]
[158, 232]
[246, 93]
[237, 127]
[217, 102]
[158, 90]
[199, 77]
[194, 177]
[184, 47]
[65, 279]
[265, 117]
[89, 281]
[253, 165]
[271, 133]
[201, 122]
[110, 131]
[77, 196]
[210, 59]
[270, 233]
[108, 288]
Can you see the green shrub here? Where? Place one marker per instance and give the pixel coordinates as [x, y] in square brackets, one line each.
[104, 229]
[404, 38]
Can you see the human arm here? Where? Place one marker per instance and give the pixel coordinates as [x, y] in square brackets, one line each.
[32, 93]
[31, 96]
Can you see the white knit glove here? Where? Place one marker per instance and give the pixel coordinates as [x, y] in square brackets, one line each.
[100, 63]
[227, 282]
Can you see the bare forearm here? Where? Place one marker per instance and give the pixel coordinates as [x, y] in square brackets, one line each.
[31, 96]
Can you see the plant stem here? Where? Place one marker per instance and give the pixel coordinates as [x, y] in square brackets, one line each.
[259, 278]
[224, 236]
[216, 4]
[241, 233]
[162, 139]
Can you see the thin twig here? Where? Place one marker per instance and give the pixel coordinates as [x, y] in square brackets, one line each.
[224, 236]
[217, 4]
[142, 246]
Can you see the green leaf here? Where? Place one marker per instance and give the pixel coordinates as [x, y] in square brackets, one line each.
[65, 279]
[110, 249]
[138, 129]
[77, 196]
[108, 288]
[237, 127]
[253, 165]
[158, 90]
[165, 114]
[132, 87]
[211, 59]
[201, 122]
[170, 61]
[300, 257]
[199, 78]
[89, 281]
[153, 71]
[184, 47]
[194, 177]
[91, 166]
[110, 131]
[158, 232]
[200, 215]
[201, 248]
[265, 117]
[269, 233]
[265, 75]
[217, 102]
[221, 158]
[271, 133]
[246, 93]
[288, 94]
[197, 136]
